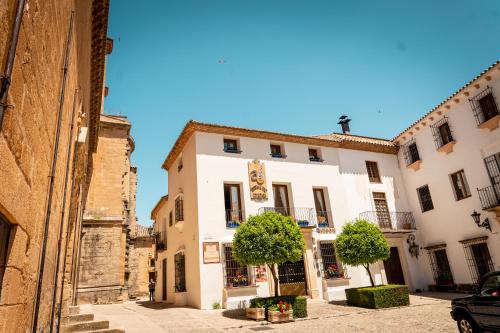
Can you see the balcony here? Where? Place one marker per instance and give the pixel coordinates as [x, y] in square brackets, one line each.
[305, 217]
[161, 240]
[398, 221]
[489, 196]
[234, 217]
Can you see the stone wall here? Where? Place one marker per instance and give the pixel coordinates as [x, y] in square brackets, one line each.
[27, 139]
[142, 251]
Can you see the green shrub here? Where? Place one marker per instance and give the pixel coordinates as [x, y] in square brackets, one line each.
[379, 297]
[298, 303]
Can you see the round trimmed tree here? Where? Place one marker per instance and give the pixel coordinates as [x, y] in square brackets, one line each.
[268, 239]
[361, 243]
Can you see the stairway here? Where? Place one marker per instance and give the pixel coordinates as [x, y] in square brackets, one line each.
[84, 322]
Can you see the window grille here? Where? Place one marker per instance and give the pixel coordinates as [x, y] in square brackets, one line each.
[490, 195]
[440, 265]
[484, 106]
[236, 274]
[292, 272]
[331, 266]
[179, 209]
[382, 211]
[424, 196]
[410, 152]
[180, 272]
[441, 132]
[170, 218]
[373, 174]
[5, 229]
[478, 257]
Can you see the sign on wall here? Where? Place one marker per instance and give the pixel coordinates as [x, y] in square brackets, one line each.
[260, 273]
[257, 175]
[211, 253]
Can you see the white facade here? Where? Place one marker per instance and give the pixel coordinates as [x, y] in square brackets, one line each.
[342, 175]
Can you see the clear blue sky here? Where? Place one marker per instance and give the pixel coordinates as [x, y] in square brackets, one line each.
[289, 66]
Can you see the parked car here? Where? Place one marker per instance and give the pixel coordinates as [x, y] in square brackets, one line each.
[480, 311]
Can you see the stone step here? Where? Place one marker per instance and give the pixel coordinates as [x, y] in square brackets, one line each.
[109, 330]
[74, 310]
[86, 326]
[78, 318]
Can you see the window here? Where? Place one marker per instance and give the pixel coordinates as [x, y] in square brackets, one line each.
[277, 151]
[180, 272]
[491, 287]
[232, 204]
[424, 196]
[152, 262]
[441, 132]
[478, 257]
[281, 203]
[411, 152]
[179, 209]
[4, 247]
[179, 165]
[490, 195]
[314, 155]
[440, 265]
[373, 174]
[382, 211]
[231, 146]
[484, 106]
[320, 205]
[460, 186]
[331, 267]
[236, 274]
[170, 218]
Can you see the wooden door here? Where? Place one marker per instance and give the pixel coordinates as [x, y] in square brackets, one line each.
[164, 280]
[393, 269]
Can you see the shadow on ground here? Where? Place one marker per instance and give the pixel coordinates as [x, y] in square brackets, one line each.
[159, 305]
[235, 314]
[440, 295]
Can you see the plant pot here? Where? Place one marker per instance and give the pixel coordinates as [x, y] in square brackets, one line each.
[279, 317]
[323, 225]
[303, 223]
[180, 298]
[256, 313]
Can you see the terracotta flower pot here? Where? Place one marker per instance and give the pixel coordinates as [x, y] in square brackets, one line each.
[256, 313]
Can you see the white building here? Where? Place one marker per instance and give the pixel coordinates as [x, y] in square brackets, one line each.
[219, 175]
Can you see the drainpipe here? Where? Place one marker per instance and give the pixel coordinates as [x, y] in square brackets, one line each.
[11, 56]
[63, 210]
[52, 177]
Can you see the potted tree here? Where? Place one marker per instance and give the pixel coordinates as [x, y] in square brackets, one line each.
[268, 239]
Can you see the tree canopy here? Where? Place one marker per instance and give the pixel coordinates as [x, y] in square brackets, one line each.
[267, 239]
[361, 243]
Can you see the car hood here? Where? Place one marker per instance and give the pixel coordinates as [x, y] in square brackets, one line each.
[466, 299]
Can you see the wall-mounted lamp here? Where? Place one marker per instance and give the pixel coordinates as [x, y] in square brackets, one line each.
[413, 247]
[477, 219]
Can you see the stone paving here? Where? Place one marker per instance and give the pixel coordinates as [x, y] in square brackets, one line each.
[428, 312]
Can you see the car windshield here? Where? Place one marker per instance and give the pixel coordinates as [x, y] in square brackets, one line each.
[491, 287]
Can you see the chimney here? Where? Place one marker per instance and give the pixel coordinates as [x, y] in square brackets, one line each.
[344, 122]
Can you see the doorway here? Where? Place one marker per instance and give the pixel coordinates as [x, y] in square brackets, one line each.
[393, 269]
[292, 278]
[164, 280]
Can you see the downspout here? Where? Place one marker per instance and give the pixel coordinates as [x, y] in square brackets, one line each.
[63, 210]
[52, 177]
[11, 56]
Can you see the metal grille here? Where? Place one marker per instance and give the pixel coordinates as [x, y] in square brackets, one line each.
[490, 195]
[179, 209]
[292, 272]
[441, 132]
[478, 257]
[180, 272]
[331, 267]
[373, 174]
[410, 152]
[440, 266]
[424, 196]
[236, 274]
[484, 106]
[383, 215]
[170, 218]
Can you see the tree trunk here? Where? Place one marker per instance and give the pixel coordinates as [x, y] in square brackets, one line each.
[275, 279]
[367, 267]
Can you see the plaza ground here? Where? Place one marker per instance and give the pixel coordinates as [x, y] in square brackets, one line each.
[428, 312]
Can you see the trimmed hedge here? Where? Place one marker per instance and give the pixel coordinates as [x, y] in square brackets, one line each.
[298, 303]
[378, 297]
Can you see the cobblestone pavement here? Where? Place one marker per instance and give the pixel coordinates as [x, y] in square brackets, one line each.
[426, 313]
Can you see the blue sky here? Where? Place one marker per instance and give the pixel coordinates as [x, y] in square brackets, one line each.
[285, 65]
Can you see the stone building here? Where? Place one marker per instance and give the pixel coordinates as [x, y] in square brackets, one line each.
[54, 60]
[113, 246]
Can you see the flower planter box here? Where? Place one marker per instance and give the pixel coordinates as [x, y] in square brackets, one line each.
[256, 313]
[279, 317]
[180, 298]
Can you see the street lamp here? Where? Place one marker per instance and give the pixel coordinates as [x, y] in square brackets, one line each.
[477, 219]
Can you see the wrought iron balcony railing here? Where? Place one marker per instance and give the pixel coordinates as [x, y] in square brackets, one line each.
[390, 220]
[305, 217]
[489, 196]
[161, 240]
[234, 217]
